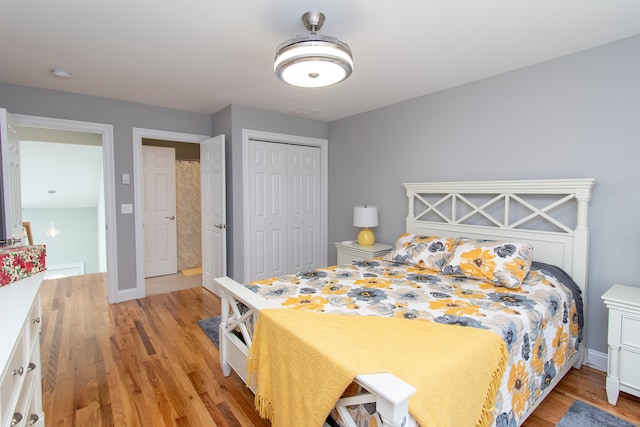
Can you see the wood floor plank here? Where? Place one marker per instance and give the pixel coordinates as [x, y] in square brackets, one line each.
[146, 363]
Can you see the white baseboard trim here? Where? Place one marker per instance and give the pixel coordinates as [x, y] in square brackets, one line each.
[127, 294]
[596, 359]
[64, 270]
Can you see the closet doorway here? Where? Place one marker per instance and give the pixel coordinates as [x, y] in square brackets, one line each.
[285, 204]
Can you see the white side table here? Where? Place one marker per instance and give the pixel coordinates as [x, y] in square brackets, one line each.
[351, 251]
[623, 372]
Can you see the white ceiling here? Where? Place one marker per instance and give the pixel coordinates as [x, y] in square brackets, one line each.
[202, 55]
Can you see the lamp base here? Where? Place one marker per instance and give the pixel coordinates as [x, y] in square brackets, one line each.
[366, 237]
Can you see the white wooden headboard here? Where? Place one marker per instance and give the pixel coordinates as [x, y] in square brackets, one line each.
[549, 214]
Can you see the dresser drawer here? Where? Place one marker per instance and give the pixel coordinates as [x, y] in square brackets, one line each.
[13, 378]
[27, 410]
[34, 321]
[630, 334]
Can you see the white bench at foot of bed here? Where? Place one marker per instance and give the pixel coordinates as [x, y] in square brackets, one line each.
[389, 393]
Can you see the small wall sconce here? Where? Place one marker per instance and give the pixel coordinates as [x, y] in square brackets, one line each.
[365, 216]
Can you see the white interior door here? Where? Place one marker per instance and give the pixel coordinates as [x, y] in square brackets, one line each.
[267, 210]
[12, 196]
[159, 206]
[213, 202]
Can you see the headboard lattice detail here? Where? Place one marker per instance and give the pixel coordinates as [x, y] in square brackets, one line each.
[504, 221]
[505, 195]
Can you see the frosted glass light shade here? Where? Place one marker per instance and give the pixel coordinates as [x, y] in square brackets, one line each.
[313, 61]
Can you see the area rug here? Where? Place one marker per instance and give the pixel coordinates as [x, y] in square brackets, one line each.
[210, 327]
[584, 415]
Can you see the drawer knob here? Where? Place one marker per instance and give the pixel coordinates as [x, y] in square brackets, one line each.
[18, 371]
[33, 418]
[36, 320]
[31, 366]
[17, 417]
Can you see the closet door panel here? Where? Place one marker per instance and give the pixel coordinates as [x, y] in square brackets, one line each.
[304, 207]
[267, 209]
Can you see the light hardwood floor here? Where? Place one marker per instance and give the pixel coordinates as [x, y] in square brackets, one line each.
[147, 363]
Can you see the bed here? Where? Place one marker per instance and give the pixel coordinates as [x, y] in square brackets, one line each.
[542, 226]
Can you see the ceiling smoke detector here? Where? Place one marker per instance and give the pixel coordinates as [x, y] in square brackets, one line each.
[61, 73]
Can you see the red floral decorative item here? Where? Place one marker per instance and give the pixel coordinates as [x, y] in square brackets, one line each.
[21, 262]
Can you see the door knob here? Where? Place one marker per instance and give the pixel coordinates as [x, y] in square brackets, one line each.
[221, 226]
[170, 217]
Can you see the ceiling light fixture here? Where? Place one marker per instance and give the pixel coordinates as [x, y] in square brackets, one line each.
[313, 60]
[53, 231]
[61, 73]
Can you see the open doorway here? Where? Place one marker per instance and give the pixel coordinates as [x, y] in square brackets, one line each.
[107, 210]
[63, 198]
[175, 223]
[140, 135]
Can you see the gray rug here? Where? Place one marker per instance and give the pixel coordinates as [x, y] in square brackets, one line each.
[583, 415]
[210, 327]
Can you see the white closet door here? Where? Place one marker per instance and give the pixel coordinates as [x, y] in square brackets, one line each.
[303, 182]
[267, 209]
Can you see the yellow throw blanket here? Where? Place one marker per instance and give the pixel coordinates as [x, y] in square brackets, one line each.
[303, 361]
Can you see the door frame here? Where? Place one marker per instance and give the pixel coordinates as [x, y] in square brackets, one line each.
[282, 138]
[138, 135]
[106, 132]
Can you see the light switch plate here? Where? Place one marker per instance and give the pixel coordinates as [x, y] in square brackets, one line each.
[126, 208]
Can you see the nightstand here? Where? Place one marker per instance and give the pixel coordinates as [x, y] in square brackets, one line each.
[351, 251]
[623, 372]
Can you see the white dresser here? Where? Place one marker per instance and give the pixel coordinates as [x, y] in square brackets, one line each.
[21, 380]
[351, 251]
[623, 372]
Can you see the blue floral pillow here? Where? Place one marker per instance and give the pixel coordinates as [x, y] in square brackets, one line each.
[500, 262]
[429, 252]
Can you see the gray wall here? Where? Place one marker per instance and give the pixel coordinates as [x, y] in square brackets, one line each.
[231, 121]
[124, 116]
[78, 239]
[573, 117]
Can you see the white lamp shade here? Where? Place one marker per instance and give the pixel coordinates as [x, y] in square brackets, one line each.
[365, 216]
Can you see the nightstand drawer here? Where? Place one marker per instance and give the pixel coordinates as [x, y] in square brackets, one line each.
[630, 328]
[623, 303]
[629, 363]
[349, 252]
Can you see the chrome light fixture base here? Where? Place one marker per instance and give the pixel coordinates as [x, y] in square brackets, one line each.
[313, 60]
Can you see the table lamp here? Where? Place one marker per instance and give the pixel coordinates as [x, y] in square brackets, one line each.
[365, 216]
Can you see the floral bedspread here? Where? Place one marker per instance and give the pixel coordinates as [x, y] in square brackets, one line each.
[538, 320]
